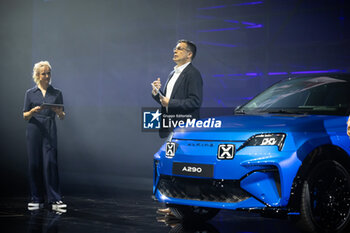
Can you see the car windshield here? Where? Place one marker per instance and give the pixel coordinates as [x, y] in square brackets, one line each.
[324, 95]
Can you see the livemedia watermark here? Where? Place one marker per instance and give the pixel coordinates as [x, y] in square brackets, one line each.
[153, 120]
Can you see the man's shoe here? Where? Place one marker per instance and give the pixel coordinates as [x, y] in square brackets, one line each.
[59, 206]
[164, 211]
[35, 205]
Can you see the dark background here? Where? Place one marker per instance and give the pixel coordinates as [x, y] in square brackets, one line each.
[105, 54]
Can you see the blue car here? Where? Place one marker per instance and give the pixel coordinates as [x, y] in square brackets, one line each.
[284, 153]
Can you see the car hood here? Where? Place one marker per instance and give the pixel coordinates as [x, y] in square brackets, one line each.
[241, 127]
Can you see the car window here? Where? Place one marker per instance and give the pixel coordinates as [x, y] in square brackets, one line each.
[309, 95]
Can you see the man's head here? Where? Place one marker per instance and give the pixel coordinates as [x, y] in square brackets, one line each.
[184, 52]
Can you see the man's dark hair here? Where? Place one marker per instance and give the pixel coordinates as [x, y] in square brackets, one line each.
[191, 46]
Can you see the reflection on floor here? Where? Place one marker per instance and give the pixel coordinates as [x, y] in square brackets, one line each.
[133, 212]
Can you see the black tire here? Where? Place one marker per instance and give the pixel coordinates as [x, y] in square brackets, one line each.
[325, 199]
[193, 213]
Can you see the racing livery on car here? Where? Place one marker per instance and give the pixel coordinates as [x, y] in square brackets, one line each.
[284, 152]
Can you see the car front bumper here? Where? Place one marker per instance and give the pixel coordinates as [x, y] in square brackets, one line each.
[257, 177]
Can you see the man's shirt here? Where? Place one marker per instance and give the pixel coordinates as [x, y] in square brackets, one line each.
[174, 78]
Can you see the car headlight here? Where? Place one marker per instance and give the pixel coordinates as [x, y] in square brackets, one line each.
[274, 139]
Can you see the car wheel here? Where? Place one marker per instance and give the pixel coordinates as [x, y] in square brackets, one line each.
[325, 199]
[193, 213]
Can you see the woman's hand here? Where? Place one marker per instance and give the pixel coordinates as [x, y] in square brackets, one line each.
[35, 109]
[29, 114]
[59, 112]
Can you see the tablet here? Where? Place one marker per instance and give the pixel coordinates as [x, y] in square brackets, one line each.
[47, 105]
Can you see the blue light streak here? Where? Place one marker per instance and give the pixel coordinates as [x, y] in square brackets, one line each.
[251, 25]
[255, 74]
[255, 26]
[277, 73]
[251, 74]
[246, 75]
[247, 98]
[221, 103]
[314, 71]
[248, 3]
[231, 21]
[219, 29]
[247, 23]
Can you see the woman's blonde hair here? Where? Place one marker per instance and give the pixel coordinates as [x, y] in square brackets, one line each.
[36, 70]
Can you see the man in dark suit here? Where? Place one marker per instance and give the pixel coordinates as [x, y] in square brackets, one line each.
[184, 88]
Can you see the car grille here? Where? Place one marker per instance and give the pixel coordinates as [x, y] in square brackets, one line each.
[202, 189]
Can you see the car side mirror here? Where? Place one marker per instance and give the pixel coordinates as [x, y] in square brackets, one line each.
[236, 108]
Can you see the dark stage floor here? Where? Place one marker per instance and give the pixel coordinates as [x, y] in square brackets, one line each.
[123, 212]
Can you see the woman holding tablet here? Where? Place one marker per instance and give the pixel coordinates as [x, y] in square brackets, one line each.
[41, 104]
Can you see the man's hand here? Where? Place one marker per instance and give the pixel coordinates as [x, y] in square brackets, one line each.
[164, 101]
[156, 84]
